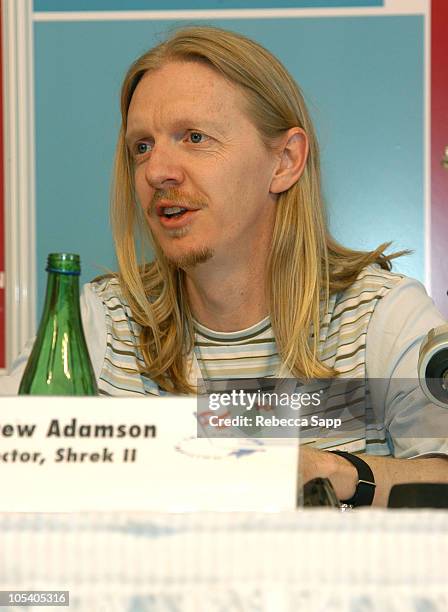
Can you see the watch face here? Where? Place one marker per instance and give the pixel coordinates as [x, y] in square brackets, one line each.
[320, 492]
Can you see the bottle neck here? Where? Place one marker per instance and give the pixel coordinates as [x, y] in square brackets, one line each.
[62, 297]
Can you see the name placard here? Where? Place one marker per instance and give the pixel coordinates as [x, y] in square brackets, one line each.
[68, 454]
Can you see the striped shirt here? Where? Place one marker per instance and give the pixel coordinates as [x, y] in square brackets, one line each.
[371, 331]
[249, 353]
[252, 353]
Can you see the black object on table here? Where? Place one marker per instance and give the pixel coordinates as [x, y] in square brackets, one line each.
[419, 495]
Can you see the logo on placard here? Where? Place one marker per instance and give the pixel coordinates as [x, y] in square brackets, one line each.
[204, 448]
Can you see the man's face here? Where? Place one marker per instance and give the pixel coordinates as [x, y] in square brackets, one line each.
[202, 173]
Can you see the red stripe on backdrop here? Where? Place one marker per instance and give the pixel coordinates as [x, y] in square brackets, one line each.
[439, 142]
[2, 211]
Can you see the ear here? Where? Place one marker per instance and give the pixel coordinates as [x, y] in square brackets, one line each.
[293, 153]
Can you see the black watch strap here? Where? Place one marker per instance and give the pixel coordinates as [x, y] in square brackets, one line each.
[365, 489]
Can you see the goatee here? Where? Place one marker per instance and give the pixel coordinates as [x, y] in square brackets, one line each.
[189, 260]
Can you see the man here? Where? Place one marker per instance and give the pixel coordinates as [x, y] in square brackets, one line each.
[217, 158]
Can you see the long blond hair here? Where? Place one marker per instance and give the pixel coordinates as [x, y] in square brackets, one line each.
[305, 264]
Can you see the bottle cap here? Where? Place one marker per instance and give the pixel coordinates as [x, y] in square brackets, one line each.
[64, 263]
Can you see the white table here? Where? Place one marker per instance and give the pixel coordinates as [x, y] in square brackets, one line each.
[317, 559]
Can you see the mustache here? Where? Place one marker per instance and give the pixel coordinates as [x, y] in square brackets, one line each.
[177, 197]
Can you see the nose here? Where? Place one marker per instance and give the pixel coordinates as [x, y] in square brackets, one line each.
[163, 168]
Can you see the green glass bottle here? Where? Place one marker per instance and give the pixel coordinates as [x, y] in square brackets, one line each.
[59, 363]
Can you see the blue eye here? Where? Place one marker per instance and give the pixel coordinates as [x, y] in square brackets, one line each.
[142, 147]
[196, 137]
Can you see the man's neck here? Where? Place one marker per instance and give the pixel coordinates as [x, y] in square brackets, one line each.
[226, 299]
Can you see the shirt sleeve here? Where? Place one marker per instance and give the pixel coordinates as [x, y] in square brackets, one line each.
[400, 322]
[94, 324]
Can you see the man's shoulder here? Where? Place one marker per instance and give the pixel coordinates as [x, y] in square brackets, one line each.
[371, 285]
[106, 291]
[372, 281]
[106, 288]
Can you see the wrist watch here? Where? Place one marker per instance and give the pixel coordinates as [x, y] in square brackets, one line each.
[365, 489]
